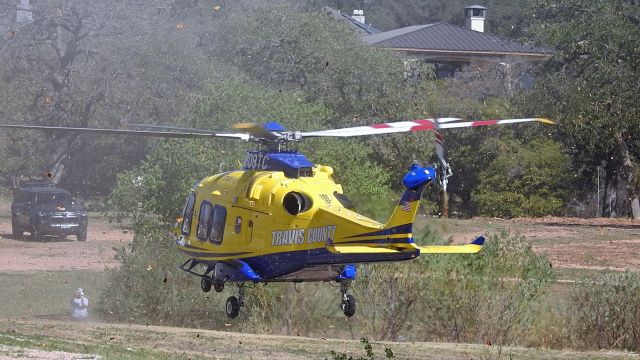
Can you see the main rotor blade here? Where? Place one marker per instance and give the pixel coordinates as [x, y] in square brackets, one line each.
[461, 124]
[414, 126]
[172, 128]
[162, 134]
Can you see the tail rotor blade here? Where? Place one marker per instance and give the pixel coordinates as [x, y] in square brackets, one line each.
[444, 169]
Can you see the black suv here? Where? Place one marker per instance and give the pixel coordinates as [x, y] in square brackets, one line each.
[44, 209]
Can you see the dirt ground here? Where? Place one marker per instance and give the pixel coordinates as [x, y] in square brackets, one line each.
[571, 243]
[14, 352]
[51, 254]
[182, 343]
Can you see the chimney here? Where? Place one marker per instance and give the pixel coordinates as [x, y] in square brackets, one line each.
[474, 17]
[24, 12]
[358, 15]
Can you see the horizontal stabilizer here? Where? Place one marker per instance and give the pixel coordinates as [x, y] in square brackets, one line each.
[359, 249]
[474, 247]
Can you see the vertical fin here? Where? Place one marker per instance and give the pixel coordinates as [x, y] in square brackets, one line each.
[414, 181]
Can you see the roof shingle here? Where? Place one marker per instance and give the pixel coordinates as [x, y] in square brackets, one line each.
[447, 37]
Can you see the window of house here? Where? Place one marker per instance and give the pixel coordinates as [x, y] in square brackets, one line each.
[187, 214]
[217, 226]
[204, 220]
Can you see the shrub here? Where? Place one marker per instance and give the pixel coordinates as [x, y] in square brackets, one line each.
[485, 297]
[605, 311]
[148, 287]
[524, 180]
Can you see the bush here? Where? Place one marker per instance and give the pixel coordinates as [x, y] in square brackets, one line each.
[486, 297]
[605, 311]
[524, 180]
[148, 287]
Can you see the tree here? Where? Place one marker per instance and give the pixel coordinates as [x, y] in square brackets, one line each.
[524, 180]
[98, 64]
[285, 47]
[590, 88]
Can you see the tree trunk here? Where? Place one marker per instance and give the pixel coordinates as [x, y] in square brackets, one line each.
[621, 193]
[55, 169]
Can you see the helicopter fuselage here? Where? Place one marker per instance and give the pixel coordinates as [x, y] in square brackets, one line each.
[255, 225]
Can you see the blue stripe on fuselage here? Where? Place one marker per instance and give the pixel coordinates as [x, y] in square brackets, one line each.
[378, 241]
[272, 266]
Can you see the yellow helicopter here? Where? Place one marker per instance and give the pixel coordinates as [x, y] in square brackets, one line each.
[281, 218]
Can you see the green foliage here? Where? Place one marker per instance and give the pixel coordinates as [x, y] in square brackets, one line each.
[362, 178]
[604, 311]
[159, 185]
[147, 287]
[368, 349]
[285, 47]
[490, 296]
[524, 180]
[90, 78]
[590, 85]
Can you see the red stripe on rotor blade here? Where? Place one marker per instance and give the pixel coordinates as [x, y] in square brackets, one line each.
[424, 125]
[381, 126]
[484, 122]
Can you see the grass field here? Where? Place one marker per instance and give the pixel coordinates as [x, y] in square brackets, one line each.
[45, 294]
[34, 304]
[119, 341]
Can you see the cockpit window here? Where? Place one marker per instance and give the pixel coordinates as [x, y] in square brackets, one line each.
[217, 226]
[187, 214]
[204, 220]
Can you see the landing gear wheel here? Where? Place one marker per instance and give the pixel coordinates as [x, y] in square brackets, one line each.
[218, 285]
[349, 305]
[205, 284]
[233, 307]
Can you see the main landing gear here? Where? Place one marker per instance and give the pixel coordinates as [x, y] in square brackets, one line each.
[234, 304]
[206, 283]
[348, 303]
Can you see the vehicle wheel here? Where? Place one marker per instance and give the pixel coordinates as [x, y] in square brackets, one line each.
[82, 235]
[35, 234]
[233, 307]
[15, 229]
[349, 305]
[205, 284]
[218, 285]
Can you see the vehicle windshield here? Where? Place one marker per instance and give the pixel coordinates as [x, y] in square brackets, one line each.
[54, 198]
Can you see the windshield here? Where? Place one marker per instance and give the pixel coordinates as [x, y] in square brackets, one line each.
[53, 198]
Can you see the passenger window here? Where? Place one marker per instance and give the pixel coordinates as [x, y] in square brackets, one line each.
[187, 214]
[204, 221]
[217, 227]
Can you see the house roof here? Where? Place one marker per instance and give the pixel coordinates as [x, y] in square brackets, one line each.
[362, 29]
[451, 38]
[476, 7]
